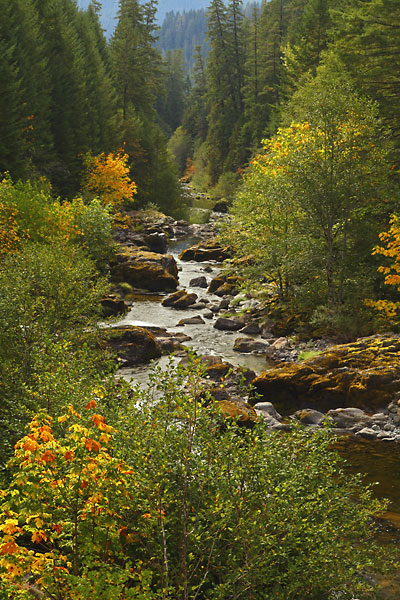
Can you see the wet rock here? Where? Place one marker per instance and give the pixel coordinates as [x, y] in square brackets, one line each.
[181, 337]
[308, 416]
[198, 282]
[170, 345]
[180, 299]
[221, 206]
[348, 417]
[227, 289]
[197, 306]
[208, 269]
[367, 433]
[364, 374]
[277, 346]
[145, 270]
[128, 237]
[192, 321]
[215, 284]
[134, 345]
[226, 324]
[205, 251]
[208, 315]
[224, 304]
[250, 345]
[157, 242]
[251, 329]
[215, 368]
[111, 305]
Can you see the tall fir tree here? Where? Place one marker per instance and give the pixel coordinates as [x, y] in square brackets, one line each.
[66, 66]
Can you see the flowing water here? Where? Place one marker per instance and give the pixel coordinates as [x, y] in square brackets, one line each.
[148, 311]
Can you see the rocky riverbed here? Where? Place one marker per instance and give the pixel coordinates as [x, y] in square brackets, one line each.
[354, 388]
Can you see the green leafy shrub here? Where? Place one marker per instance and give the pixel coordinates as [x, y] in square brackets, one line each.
[94, 221]
[48, 294]
[171, 501]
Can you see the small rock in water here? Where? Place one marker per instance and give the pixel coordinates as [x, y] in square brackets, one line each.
[247, 345]
[367, 433]
[192, 321]
[208, 315]
[251, 329]
[198, 282]
[226, 324]
[197, 306]
[308, 416]
[224, 304]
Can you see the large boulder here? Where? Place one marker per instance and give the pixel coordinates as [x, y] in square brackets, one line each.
[146, 270]
[134, 345]
[204, 251]
[364, 374]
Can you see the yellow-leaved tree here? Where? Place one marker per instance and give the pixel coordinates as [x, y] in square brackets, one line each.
[107, 176]
[391, 248]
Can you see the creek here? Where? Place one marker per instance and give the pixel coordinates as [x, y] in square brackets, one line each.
[379, 462]
[147, 310]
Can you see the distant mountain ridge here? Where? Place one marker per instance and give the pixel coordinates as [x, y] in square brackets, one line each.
[110, 9]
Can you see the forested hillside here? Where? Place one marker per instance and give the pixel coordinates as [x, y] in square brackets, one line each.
[109, 10]
[66, 93]
[296, 104]
[184, 30]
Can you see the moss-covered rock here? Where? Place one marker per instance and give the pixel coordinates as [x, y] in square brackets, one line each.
[241, 411]
[145, 270]
[134, 345]
[363, 374]
[204, 251]
[180, 299]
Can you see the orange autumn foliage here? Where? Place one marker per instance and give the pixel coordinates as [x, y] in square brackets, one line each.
[107, 176]
[390, 248]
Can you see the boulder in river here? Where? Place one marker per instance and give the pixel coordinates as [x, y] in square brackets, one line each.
[228, 324]
[364, 374]
[205, 251]
[192, 321]
[249, 345]
[145, 270]
[198, 282]
[134, 345]
[180, 299]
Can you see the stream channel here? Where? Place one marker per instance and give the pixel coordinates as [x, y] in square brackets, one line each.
[379, 462]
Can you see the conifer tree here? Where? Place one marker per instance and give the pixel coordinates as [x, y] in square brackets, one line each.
[367, 37]
[30, 56]
[135, 61]
[66, 66]
[11, 155]
[195, 116]
[100, 96]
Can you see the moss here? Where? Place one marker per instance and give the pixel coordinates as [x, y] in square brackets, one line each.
[354, 375]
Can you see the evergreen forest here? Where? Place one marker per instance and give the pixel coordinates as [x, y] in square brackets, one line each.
[282, 117]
